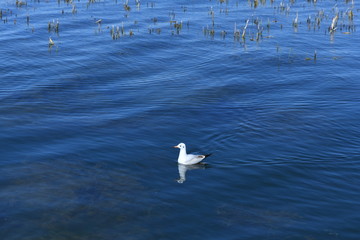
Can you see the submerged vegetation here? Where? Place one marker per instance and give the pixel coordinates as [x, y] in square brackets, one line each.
[239, 21]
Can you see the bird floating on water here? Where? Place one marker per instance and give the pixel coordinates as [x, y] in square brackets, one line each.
[188, 159]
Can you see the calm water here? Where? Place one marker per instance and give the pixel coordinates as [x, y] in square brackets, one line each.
[87, 124]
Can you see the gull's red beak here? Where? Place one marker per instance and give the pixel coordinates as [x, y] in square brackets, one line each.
[175, 147]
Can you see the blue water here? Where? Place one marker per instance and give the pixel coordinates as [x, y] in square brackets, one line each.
[88, 124]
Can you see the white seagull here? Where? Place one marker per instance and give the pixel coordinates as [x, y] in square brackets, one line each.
[188, 159]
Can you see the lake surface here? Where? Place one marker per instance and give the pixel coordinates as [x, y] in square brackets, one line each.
[88, 121]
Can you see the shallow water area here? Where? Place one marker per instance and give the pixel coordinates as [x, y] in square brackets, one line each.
[89, 121]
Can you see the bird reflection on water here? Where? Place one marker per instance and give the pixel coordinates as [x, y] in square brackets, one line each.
[184, 168]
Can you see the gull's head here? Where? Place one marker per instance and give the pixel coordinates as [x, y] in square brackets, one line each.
[180, 145]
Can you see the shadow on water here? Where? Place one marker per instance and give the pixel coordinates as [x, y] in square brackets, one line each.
[184, 168]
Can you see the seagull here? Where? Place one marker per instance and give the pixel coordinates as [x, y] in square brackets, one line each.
[188, 159]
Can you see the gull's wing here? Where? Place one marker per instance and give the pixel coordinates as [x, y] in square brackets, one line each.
[194, 159]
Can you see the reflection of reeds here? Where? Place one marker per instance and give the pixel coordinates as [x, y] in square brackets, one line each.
[51, 42]
[176, 25]
[350, 15]
[20, 3]
[151, 4]
[74, 10]
[236, 33]
[53, 26]
[259, 33]
[157, 30]
[137, 3]
[244, 30]
[223, 34]
[337, 20]
[126, 6]
[296, 21]
[87, 5]
[333, 25]
[116, 32]
[212, 14]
